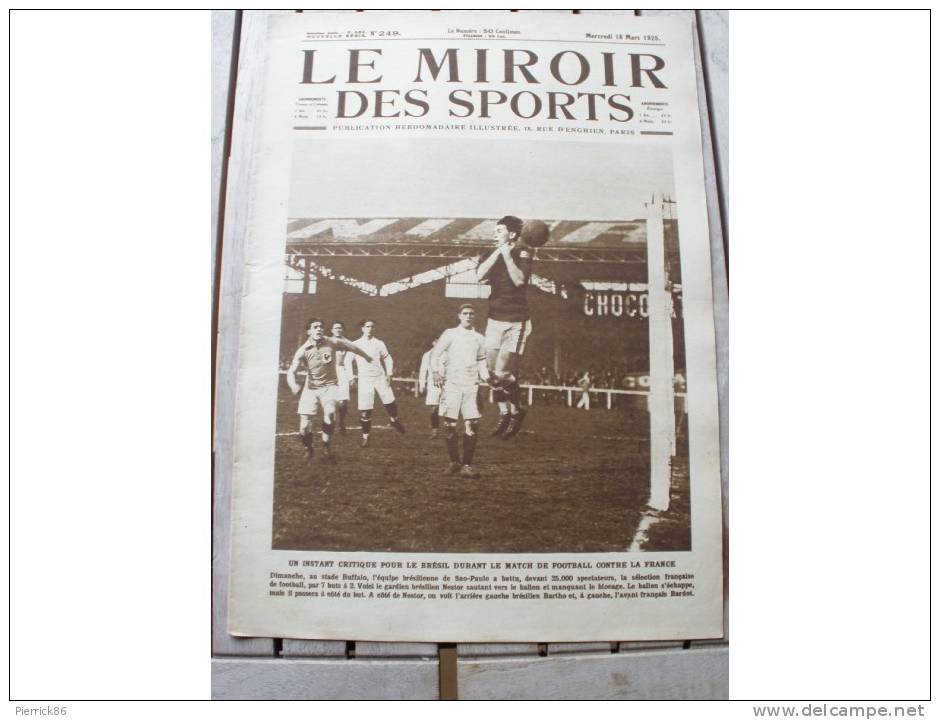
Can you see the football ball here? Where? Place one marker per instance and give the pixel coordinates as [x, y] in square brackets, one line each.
[534, 233]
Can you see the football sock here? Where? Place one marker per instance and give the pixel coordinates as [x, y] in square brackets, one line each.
[450, 436]
[326, 430]
[306, 437]
[341, 412]
[366, 424]
[435, 419]
[392, 409]
[514, 393]
[469, 445]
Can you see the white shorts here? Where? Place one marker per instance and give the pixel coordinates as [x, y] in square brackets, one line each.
[433, 396]
[342, 385]
[368, 386]
[457, 400]
[507, 336]
[311, 399]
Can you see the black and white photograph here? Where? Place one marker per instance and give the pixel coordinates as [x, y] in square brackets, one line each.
[461, 381]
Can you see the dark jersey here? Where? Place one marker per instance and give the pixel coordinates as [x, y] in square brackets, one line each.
[508, 300]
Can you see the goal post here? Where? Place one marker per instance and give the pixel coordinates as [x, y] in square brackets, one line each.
[662, 410]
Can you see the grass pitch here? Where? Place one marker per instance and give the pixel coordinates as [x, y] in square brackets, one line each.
[572, 481]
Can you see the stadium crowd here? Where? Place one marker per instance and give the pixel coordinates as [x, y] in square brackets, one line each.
[607, 375]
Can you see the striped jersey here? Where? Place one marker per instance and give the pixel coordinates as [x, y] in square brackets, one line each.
[319, 359]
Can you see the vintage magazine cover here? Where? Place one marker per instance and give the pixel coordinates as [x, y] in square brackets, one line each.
[476, 397]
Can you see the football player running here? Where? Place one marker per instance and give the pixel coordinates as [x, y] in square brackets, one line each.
[507, 270]
[318, 356]
[458, 365]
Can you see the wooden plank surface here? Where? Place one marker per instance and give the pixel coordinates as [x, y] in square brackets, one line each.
[694, 674]
[269, 679]
[313, 648]
[366, 649]
[581, 647]
[491, 649]
[636, 645]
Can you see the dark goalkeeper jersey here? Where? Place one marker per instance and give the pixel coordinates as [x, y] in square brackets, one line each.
[507, 300]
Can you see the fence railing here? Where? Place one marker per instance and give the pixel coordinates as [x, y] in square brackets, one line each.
[570, 391]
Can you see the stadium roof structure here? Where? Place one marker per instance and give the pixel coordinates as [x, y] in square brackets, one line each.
[418, 230]
[455, 238]
[454, 252]
[459, 243]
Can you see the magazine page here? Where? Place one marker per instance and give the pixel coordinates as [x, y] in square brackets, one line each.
[476, 397]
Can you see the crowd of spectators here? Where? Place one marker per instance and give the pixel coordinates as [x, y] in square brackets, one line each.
[610, 374]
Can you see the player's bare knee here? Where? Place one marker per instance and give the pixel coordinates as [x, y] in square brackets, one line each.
[491, 357]
[470, 426]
